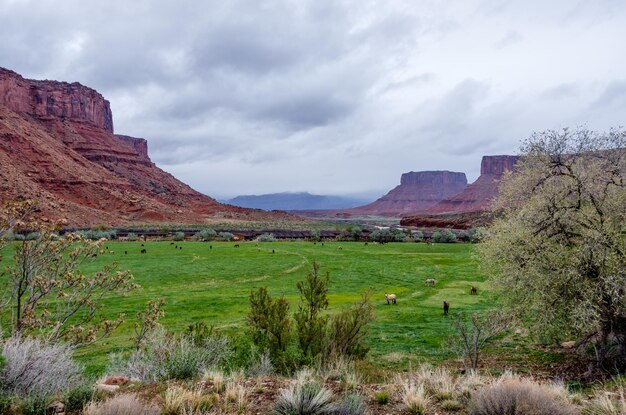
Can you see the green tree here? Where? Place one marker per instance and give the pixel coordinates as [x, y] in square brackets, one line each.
[310, 323]
[557, 251]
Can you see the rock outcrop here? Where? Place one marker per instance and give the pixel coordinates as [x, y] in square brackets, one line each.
[57, 147]
[417, 192]
[54, 99]
[478, 195]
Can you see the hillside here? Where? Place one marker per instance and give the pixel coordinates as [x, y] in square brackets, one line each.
[294, 201]
[57, 147]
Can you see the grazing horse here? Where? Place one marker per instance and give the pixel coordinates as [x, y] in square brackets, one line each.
[446, 307]
[391, 298]
[473, 290]
[143, 251]
[430, 281]
[236, 245]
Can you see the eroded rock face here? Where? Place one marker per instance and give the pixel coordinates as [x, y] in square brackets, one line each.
[478, 195]
[55, 99]
[417, 192]
[57, 148]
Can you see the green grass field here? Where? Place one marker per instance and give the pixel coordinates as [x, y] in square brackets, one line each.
[213, 285]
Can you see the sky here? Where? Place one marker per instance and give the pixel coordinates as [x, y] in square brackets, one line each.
[331, 97]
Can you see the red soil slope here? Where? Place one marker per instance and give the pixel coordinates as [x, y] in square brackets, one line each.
[57, 147]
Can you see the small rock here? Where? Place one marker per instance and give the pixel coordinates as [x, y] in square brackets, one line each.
[569, 344]
[116, 380]
[107, 388]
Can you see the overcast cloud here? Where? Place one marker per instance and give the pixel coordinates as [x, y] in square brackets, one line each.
[331, 97]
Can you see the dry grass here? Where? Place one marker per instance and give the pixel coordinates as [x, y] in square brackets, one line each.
[604, 405]
[415, 398]
[122, 405]
[513, 395]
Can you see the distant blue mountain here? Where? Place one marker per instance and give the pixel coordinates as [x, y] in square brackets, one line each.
[296, 201]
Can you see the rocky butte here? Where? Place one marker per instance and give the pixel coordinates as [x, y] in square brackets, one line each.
[57, 147]
[417, 192]
[464, 209]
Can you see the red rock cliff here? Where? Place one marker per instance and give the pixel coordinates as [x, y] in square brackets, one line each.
[417, 192]
[56, 99]
[478, 195]
[57, 147]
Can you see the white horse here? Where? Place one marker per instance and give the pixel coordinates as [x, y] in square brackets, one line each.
[391, 298]
[430, 281]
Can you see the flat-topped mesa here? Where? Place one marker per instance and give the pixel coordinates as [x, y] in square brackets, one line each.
[54, 99]
[140, 145]
[497, 165]
[478, 195]
[417, 192]
[433, 178]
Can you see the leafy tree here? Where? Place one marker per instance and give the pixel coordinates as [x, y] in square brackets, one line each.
[417, 236]
[205, 235]
[310, 323]
[445, 236]
[179, 236]
[226, 236]
[557, 251]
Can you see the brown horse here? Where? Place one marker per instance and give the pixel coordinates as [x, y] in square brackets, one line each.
[446, 307]
[473, 290]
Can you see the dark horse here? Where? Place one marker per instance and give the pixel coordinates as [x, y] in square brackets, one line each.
[446, 307]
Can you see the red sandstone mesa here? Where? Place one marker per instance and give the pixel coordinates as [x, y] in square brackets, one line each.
[417, 192]
[57, 147]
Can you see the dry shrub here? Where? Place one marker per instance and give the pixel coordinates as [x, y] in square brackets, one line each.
[216, 379]
[515, 396]
[122, 405]
[352, 404]
[35, 368]
[604, 405]
[236, 395]
[438, 382]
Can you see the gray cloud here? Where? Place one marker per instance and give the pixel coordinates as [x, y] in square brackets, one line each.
[327, 96]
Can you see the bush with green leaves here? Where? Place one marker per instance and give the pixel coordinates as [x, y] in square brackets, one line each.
[310, 322]
[388, 235]
[417, 236]
[382, 397]
[348, 330]
[226, 236]
[76, 398]
[315, 235]
[205, 235]
[266, 237]
[96, 235]
[445, 236]
[178, 236]
[352, 404]
[132, 237]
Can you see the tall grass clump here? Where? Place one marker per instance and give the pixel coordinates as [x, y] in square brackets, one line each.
[304, 399]
[512, 395]
[414, 397]
[604, 405]
[36, 369]
[352, 404]
[122, 405]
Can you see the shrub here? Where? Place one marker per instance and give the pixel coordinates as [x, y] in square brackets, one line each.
[122, 405]
[205, 235]
[438, 382]
[226, 236]
[8, 236]
[36, 369]
[132, 237]
[417, 236]
[32, 236]
[78, 397]
[310, 323]
[520, 397]
[236, 395]
[388, 235]
[266, 237]
[33, 405]
[352, 404]
[5, 402]
[261, 365]
[415, 398]
[19, 237]
[178, 236]
[349, 328]
[166, 356]
[178, 400]
[382, 397]
[444, 236]
[304, 399]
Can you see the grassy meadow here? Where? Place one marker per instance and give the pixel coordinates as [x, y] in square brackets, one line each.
[200, 283]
